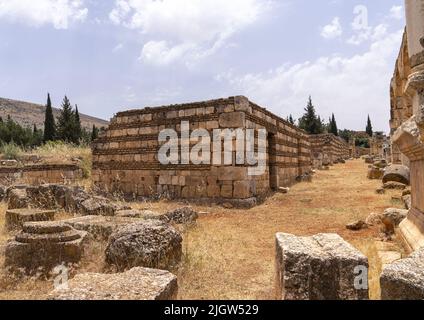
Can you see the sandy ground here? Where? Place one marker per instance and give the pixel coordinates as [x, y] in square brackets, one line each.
[230, 253]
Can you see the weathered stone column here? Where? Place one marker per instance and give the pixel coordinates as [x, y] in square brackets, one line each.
[410, 135]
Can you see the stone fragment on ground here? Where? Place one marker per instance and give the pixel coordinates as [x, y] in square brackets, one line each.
[135, 284]
[380, 191]
[357, 225]
[374, 219]
[321, 267]
[397, 173]
[404, 279]
[16, 218]
[184, 215]
[151, 244]
[391, 219]
[43, 246]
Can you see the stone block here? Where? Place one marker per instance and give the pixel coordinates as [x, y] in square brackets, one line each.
[135, 284]
[16, 218]
[152, 244]
[232, 120]
[43, 246]
[101, 227]
[321, 267]
[213, 191]
[404, 279]
[227, 191]
[242, 189]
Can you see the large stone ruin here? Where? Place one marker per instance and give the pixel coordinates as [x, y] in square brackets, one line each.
[125, 158]
[321, 267]
[407, 119]
[327, 149]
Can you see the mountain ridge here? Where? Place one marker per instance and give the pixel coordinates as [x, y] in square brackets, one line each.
[27, 114]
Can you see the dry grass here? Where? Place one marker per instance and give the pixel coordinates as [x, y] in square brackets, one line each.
[230, 253]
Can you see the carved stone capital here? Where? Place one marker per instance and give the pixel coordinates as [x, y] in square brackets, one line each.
[409, 138]
[415, 83]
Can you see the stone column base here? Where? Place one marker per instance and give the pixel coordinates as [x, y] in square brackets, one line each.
[411, 230]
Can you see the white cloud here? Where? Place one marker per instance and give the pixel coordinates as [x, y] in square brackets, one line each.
[189, 29]
[59, 13]
[332, 30]
[396, 12]
[369, 33]
[350, 86]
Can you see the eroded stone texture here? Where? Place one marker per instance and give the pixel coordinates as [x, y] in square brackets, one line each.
[44, 245]
[16, 218]
[404, 279]
[135, 284]
[152, 244]
[100, 227]
[397, 173]
[185, 215]
[392, 217]
[321, 267]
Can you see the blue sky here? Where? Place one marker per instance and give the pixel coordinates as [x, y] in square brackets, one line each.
[109, 55]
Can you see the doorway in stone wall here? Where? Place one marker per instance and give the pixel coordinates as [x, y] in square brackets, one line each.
[272, 161]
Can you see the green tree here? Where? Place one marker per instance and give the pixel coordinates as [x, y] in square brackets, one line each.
[94, 133]
[49, 122]
[310, 122]
[66, 123]
[78, 126]
[369, 127]
[333, 126]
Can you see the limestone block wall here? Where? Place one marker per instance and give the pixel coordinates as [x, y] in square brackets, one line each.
[400, 103]
[327, 149]
[408, 137]
[125, 158]
[40, 174]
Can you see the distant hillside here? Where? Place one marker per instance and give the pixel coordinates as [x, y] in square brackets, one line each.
[28, 114]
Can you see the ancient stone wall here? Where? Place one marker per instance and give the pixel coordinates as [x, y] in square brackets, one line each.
[380, 146]
[40, 174]
[327, 149]
[400, 104]
[407, 93]
[125, 158]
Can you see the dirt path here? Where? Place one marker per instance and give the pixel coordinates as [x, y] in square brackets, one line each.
[230, 254]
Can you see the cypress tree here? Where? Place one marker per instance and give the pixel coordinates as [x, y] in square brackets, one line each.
[333, 126]
[66, 128]
[291, 120]
[94, 133]
[368, 129]
[310, 122]
[78, 128]
[49, 123]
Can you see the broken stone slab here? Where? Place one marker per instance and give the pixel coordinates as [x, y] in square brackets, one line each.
[321, 267]
[135, 284]
[404, 279]
[100, 227]
[41, 246]
[184, 215]
[100, 206]
[380, 163]
[357, 225]
[16, 218]
[283, 190]
[150, 244]
[397, 173]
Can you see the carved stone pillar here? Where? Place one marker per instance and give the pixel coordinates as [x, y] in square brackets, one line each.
[410, 135]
